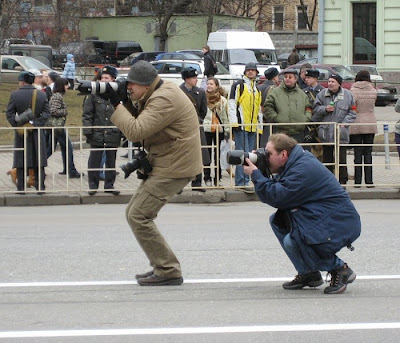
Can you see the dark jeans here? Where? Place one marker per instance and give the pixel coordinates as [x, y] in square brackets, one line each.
[94, 162]
[211, 137]
[62, 139]
[21, 178]
[363, 154]
[329, 157]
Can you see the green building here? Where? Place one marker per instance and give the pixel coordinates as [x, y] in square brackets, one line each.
[361, 32]
[184, 31]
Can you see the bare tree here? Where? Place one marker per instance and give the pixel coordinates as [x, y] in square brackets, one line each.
[309, 21]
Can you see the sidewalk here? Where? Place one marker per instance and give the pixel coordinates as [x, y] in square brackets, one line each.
[61, 190]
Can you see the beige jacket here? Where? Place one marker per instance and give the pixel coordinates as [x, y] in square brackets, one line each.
[364, 95]
[168, 128]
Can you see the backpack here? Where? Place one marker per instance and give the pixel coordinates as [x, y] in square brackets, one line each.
[214, 66]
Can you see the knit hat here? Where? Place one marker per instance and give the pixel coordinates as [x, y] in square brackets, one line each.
[312, 73]
[110, 70]
[251, 66]
[270, 73]
[337, 77]
[142, 73]
[26, 76]
[188, 73]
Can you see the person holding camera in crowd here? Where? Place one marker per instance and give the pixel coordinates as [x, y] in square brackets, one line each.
[29, 108]
[199, 100]
[165, 122]
[97, 111]
[315, 217]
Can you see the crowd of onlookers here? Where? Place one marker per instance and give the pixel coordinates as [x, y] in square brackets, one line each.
[295, 103]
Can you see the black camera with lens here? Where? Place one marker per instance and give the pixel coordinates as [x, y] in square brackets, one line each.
[259, 158]
[139, 161]
[99, 88]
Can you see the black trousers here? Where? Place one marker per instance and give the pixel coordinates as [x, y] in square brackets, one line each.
[211, 137]
[329, 157]
[94, 162]
[363, 154]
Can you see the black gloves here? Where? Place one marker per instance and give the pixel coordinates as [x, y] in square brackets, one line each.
[112, 95]
[24, 117]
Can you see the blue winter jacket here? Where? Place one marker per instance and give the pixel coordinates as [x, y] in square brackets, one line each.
[321, 213]
[69, 69]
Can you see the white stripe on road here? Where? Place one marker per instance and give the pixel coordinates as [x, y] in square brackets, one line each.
[200, 330]
[188, 281]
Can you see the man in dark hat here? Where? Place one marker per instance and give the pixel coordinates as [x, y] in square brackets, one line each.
[245, 114]
[28, 107]
[97, 111]
[198, 97]
[272, 76]
[288, 104]
[164, 121]
[334, 104]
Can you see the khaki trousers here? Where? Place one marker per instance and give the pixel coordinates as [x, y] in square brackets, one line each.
[142, 209]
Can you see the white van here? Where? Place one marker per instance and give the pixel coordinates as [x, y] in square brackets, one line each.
[235, 48]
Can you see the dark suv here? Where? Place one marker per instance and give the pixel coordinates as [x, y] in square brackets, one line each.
[116, 51]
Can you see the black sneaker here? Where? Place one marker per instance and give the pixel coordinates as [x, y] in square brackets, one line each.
[340, 277]
[313, 279]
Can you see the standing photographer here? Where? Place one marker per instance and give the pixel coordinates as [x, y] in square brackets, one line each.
[164, 121]
[315, 217]
[97, 111]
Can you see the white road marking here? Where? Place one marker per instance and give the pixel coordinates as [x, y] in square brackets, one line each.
[188, 281]
[200, 330]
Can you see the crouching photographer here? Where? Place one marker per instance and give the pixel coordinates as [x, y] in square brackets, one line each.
[162, 118]
[315, 217]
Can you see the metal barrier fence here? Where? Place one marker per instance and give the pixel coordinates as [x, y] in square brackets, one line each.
[385, 161]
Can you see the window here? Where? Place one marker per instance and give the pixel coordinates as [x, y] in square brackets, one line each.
[301, 18]
[278, 18]
[364, 33]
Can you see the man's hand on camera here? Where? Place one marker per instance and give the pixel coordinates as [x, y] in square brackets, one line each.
[112, 95]
[249, 168]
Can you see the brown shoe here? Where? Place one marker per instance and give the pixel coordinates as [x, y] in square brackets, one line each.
[13, 173]
[145, 275]
[155, 280]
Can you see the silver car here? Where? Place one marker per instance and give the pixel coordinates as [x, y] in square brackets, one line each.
[12, 65]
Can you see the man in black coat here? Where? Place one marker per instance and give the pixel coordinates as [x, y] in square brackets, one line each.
[34, 152]
[198, 97]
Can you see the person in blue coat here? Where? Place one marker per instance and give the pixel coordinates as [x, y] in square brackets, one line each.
[69, 70]
[315, 217]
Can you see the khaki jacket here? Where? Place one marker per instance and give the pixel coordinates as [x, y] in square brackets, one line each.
[167, 127]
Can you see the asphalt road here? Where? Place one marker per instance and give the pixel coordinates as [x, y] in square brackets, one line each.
[67, 275]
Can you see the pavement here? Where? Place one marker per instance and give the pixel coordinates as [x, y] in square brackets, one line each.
[61, 190]
[67, 275]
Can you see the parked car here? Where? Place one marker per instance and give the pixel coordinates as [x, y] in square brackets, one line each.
[386, 93]
[311, 60]
[148, 56]
[375, 76]
[5, 43]
[177, 56]
[193, 51]
[283, 59]
[12, 65]
[117, 51]
[171, 70]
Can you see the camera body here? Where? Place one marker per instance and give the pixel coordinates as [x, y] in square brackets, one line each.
[139, 161]
[259, 158]
[99, 87]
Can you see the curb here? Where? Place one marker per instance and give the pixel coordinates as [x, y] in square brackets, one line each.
[186, 197]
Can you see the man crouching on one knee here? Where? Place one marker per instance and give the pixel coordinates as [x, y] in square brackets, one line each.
[315, 217]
